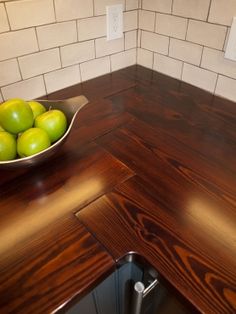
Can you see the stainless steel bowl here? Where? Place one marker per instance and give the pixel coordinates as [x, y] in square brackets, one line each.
[70, 107]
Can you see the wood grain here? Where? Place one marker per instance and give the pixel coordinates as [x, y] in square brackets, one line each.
[40, 197]
[150, 168]
[51, 269]
[170, 241]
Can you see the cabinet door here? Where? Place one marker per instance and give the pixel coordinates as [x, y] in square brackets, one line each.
[85, 306]
[113, 295]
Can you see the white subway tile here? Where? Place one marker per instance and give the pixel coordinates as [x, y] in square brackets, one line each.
[62, 78]
[171, 25]
[145, 58]
[222, 12]
[55, 35]
[206, 34]
[185, 51]
[158, 5]
[29, 89]
[39, 63]
[9, 72]
[199, 77]
[28, 13]
[214, 60]
[73, 9]
[18, 43]
[131, 5]
[123, 59]
[100, 5]
[147, 20]
[168, 66]
[130, 20]
[105, 47]
[197, 9]
[77, 53]
[91, 28]
[4, 27]
[154, 42]
[94, 68]
[226, 87]
[130, 40]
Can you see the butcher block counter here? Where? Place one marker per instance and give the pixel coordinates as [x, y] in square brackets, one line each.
[149, 168]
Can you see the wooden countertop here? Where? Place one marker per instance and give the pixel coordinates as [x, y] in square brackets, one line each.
[148, 168]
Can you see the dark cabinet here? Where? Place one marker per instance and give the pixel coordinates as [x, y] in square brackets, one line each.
[131, 289]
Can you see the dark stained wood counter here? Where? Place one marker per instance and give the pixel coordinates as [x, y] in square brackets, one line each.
[148, 168]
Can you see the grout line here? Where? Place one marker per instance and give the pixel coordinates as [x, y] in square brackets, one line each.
[216, 84]
[141, 36]
[186, 30]
[77, 27]
[59, 50]
[1, 94]
[172, 7]
[155, 23]
[209, 9]
[137, 38]
[80, 72]
[200, 64]
[37, 39]
[45, 85]
[94, 47]
[54, 8]
[184, 17]
[67, 66]
[17, 60]
[93, 8]
[168, 50]
[110, 64]
[8, 20]
[138, 18]
[182, 71]
[153, 58]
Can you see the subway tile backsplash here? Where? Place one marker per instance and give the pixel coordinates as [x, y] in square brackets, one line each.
[196, 32]
[46, 45]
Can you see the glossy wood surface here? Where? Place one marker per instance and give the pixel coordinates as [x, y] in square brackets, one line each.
[149, 168]
[52, 269]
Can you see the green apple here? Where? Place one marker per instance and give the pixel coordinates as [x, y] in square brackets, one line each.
[16, 116]
[32, 141]
[7, 146]
[53, 122]
[37, 108]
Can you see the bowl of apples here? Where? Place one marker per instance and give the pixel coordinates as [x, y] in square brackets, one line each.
[32, 131]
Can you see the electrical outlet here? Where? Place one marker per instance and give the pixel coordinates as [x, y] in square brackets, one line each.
[114, 21]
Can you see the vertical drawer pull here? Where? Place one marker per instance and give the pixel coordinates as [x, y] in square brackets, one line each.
[139, 293]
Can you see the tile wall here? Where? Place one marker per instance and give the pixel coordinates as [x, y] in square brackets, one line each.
[186, 39]
[46, 45]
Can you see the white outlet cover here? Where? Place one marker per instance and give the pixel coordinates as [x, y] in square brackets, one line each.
[230, 52]
[114, 19]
